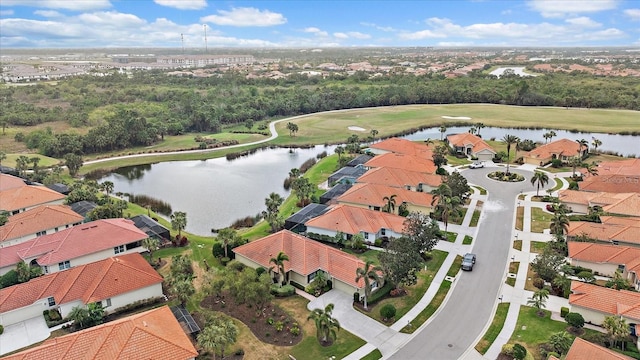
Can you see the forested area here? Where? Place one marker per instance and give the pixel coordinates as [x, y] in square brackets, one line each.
[137, 110]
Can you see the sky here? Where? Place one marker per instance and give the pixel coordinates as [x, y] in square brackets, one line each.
[317, 24]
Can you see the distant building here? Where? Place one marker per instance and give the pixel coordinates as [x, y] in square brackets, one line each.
[205, 60]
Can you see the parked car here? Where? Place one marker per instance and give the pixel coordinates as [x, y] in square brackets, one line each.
[468, 261]
[476, 165]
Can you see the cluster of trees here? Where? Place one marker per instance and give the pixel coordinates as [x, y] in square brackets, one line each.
[86, 317]
[449, 197]
[180, 278]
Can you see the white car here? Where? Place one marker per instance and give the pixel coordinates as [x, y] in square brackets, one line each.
[476, 165]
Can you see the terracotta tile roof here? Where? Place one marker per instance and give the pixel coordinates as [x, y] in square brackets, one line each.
[466, 139]
[306, 256]
[10, 182]
[620, 220]
[575, 196]
[630, 205]
[606, 231]
[352, 220]
[399, 177]
[154, 334]
[27, 196]
[559, 147]
[615, 203]
[402, 161]
[373, 194]
[620, 167]
[41, 218]
[404, 146]
[601, 253]
[583, 350]
[88, 283]
[611, 183]
[74, 242]
[609, 301]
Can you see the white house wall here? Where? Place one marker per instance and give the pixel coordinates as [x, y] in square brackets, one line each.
[97, 256]
[590, 316]
[605, 269]
[125, 299]
[24, 313]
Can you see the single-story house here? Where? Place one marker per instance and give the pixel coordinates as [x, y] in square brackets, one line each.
[402, 161]
[10, 182]
[296, 221]
[346, 175]
[371, 196]
[471, 145]
[352, 220]
[627, 204]
[23, 198]
[153, 334]
[330, 195]
[595, 303]
[562, 149]
[612, 230]
[152, 228]
[607, 260]
[619, 167]
[611, 183]
[401, 178]
[114, 282]
[41, 220]
[306, 259]
[78, 245]
[83, 207]
[583, 350]
[401, 146]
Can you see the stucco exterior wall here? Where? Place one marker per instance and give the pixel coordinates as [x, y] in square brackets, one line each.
[605, 269]
[97, 256]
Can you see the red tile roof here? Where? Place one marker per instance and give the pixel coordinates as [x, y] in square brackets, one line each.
[352, 220]
[606, 231]
[611, 183]
[89, 283]
[404, 146]
[608, 301]
[601, 253]
[402, 161]
[583, 350]
[27, 196]
[373, 195]
[10, 182]
[630, 205]
[74, 242]
[561, 147]
[399, 178]
[615, 203]
[620, 167]
[468, 139]
[305, 256]
[41, 218]
[154, 334]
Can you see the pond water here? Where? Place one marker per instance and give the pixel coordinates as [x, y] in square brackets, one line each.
[216, 192]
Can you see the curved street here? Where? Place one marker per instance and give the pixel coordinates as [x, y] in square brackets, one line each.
[461, 320]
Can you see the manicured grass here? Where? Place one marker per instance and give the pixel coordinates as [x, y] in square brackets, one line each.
[494, 329]
[540, 220]
[558, 185]
[323, 168]
[519, 217]
[482, 190]
[374, 355]
[467, 240]
[310, 347]
[514, 266]
[510, 281]
[44, 162]
[517, 244]
[528, 284]
[455, 267]
[451, 236]
[521, 196]
[429, 310]
[475, 218]
[369, 255]
[537, 247]
[456, 161]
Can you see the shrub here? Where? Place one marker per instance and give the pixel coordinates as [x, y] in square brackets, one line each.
[295, 330]
[556, 163]
[279, 326]
[261, 270]
[538, 282]
[239, 352]
[380, 293]
[9, 279]
[507, 349]
[586, 276]
[519, 352]
[564, 311]
[356, 297]
[284, 291]
[224, 261]
[236, 265]
[441, 171]
[573, 185]
[575, 320]
[54, 315]
[388, 311]
[1, 329]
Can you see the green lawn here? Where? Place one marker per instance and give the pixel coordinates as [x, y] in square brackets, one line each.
[558, 185]
[44, 162]
[451, 236]
[537, 247]
[429, 310]
[467, 240]
[475, 218]
[309, 348]
[517, 244]
[519, 217]
[494, 329]
[369, 255]
[482, 190]
[540, 220]
[374, 355]
[455, 267]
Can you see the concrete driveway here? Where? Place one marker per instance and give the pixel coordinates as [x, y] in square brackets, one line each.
[455, 328]
[23, 334]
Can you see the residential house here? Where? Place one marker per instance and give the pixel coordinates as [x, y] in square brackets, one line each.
[595, 303]
[615, 203]
[401, 178]
[607, 260]
[612, 229]
[471, 145]
[41, 220]
[307, 258]
[22, 198]
[296, 221]
[401, 146]
[562, 149]
[611, 183]
[10, 182]
[583, 350]
[402, 161]
[114, 282]
[619, 167]
[371, 196]
[78, 245]
[352, 220]
[153, 334]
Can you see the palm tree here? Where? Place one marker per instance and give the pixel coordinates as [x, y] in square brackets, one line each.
[339, 150]
[509, 140]
[559, 223]
[278, 261]
[152, 244]
[552, 134]
[3, 156]
[218, 334]
[294, 173]
[366, 273]
[179, 221]
[443, 129]
[80, 316]
[326, 326]
[563, 282]
[617, 328]
[183, 289]
[575, 162]
[595, 143]
[227, 236]
[584, 144]
[445, 202]
[374, 132]
[472, 130]
[274, 200]
[479, 126]
[293, 128]
[539, 300]
[591, 168]
[390, 204]
[541, 178]
[561, 341]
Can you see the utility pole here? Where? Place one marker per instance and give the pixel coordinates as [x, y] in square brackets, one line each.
[182, 38]
[206, 49]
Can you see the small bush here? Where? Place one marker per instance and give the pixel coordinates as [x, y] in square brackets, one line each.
[239, 352]
[295, 330]
[260, 271]
[356, 297]
[284, 291]
[538, 282]
[224, 261]
[575, 320]
[388, 311]
[380, 293]
[519, 352]
[507, 349]
[564, 311]
[1, 329]
[279, 326]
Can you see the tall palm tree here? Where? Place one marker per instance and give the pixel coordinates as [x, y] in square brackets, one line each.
[479, 126]
[561, 342]
[584, 144]
[595, 143]
[509, 140]
[374, 132]
[152, 244]
[591, 168]
[278, 261]
[559, 223]
[539, 300]
[617, 328]
[227, 236]
[179, 221]
[339, 150]
[575, 161]
[274, 200]
[445, 202]
[443, 129]
[552, 134]
[326, 325]
[80, 316]
[107, 186]
[367, 273]
[541, 178]
[472, 130]
[390, 203]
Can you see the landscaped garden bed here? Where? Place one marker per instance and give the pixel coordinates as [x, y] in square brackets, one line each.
[504, 176]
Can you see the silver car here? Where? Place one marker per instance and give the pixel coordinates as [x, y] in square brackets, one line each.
[468, 261]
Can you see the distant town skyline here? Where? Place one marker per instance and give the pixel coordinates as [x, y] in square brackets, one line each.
[317, 24]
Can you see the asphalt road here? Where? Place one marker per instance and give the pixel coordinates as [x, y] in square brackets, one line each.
[457, 325]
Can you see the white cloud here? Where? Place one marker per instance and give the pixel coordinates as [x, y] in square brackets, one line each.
[634, 14]
[584, 22]
[245, 16]
[47, 13]
[78, 5]
[358, 35]
[455, 43]
[341, 35]
[111, 19]
[316, 31]
[378, 27]
[6, 12]
[183, 4]
[555, 9]
[506, 12]
[419, 35]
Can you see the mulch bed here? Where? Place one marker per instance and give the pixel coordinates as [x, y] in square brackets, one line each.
[258, 323]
